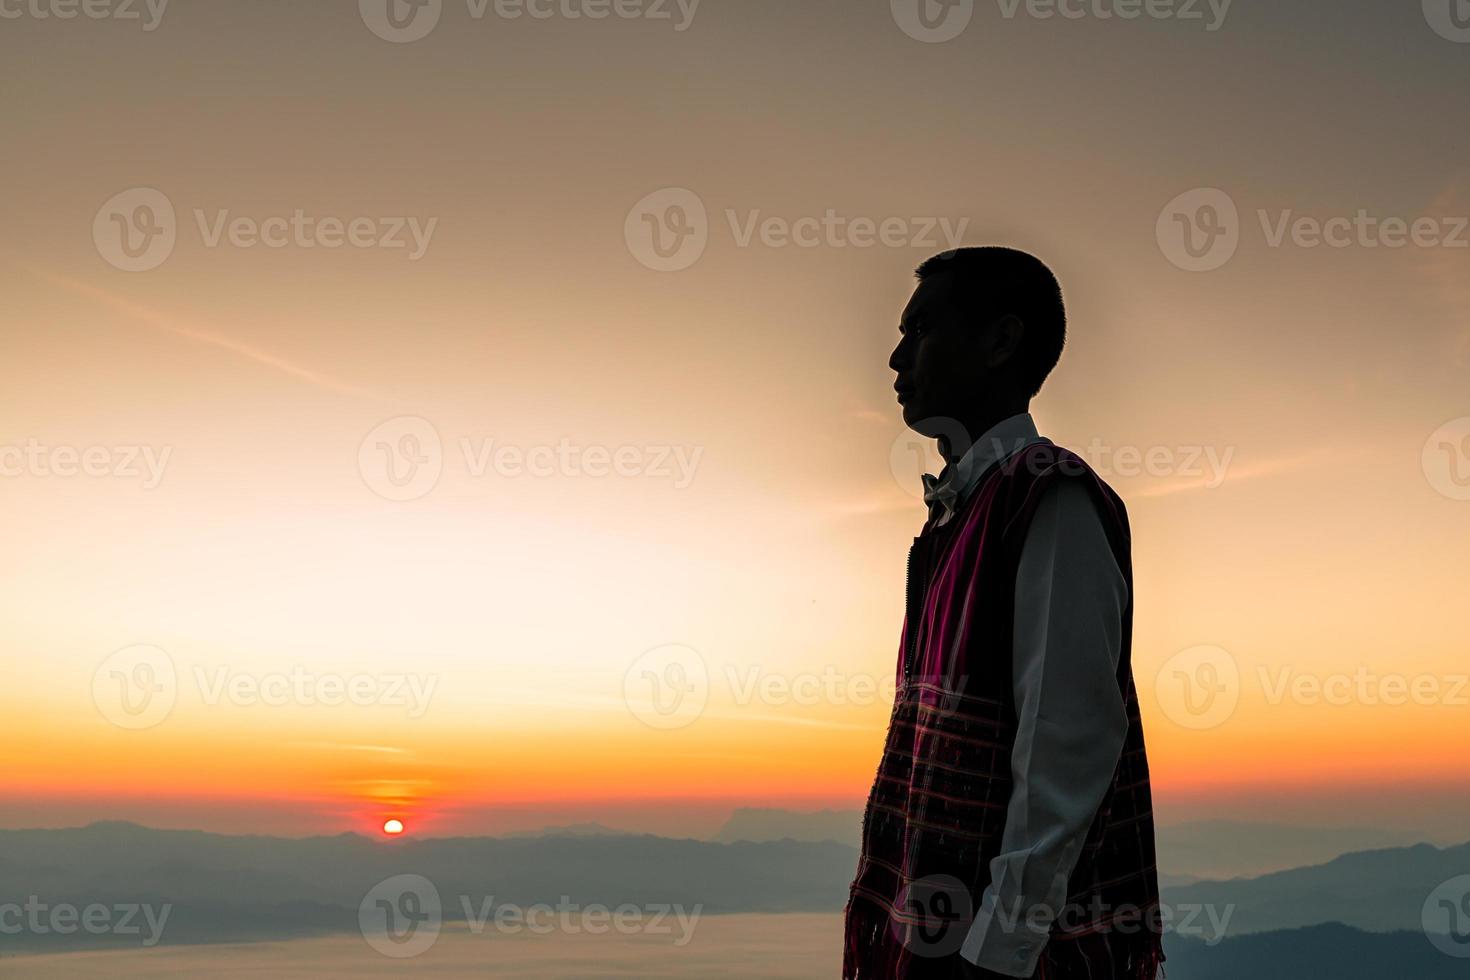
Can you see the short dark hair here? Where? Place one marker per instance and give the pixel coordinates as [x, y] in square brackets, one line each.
[1004, 281]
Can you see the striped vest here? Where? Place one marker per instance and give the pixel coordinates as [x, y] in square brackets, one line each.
[937, 808]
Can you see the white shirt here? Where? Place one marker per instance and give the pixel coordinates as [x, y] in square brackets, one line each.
[1070, 598]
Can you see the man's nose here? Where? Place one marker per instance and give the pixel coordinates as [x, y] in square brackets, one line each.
[899, 359]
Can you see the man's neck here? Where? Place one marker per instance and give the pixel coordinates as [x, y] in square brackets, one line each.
[976, 426]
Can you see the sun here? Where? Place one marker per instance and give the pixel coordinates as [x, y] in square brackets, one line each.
[393, 827]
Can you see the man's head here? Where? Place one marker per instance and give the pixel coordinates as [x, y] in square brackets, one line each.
[981, 333]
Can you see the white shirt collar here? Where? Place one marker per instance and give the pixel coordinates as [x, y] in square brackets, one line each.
[953, 485]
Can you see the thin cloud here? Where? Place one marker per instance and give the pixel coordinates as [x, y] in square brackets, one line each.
[881, 503]
[1448, 269]
[343, 747]
[738, 715]
[890, 501]
[171, 325]
[1255, 471]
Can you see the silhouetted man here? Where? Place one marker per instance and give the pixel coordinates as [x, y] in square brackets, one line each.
[1009, 832]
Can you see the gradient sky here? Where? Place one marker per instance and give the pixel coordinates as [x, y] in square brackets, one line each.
[1322, 372]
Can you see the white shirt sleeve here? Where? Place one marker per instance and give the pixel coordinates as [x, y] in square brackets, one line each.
[1070, 598]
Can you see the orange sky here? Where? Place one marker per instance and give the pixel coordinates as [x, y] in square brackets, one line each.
[256, 374]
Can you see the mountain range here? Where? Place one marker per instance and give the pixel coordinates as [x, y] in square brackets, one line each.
[1354, 910]
[1187, 851]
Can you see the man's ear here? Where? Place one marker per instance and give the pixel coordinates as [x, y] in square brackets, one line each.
[1003, 338]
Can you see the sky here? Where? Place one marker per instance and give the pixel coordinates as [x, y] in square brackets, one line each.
[423, 481]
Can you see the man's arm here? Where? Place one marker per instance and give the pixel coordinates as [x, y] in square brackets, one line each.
[1070, 598]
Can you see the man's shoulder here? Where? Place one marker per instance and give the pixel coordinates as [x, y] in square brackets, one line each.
[1047, 460]
[1045, 470]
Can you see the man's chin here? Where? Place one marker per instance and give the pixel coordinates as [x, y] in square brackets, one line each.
[913, 415]
[924, 422]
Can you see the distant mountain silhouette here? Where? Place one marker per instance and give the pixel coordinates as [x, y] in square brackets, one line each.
[571, 830]
[228, 888]
[1237, 849]
[1206, 849]
[234, 888]
[1382, 891]
[1329, 952]
[764, 824]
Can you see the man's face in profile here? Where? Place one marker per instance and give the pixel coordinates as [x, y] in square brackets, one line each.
[937, 359]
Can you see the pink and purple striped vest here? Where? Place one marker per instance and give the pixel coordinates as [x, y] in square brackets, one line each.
[937, 807]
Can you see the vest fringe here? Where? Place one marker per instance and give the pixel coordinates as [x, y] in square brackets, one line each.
[871, 952]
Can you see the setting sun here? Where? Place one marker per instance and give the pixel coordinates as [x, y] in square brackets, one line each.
[393, 827]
